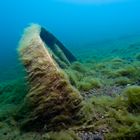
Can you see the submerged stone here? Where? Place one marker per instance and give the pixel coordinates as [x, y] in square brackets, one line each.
[51, 102]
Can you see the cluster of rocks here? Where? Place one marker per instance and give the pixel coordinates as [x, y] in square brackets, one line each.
[105, 90]
[90, 136]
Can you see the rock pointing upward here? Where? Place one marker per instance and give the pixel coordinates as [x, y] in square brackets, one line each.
[52, 102]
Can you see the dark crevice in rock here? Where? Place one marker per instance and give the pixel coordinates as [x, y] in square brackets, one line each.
[51, 41]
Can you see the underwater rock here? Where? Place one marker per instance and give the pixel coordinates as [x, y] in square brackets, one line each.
[51, 103]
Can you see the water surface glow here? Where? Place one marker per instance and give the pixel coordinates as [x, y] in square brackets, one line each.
[92, 1]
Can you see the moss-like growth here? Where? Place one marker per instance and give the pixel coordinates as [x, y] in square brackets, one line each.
[78, 67]
[127, 71]
[112, 116]
[117, 60]
[133, 97]
[89, 83]
[87, 111]
[52, 102]
[62, 135]
[138, 57]
[122, 81]
[74, 76]
[11, 96]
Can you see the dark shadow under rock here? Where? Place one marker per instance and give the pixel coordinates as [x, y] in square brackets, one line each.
[58, 49]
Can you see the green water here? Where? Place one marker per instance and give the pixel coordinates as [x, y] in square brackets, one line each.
[105, 39]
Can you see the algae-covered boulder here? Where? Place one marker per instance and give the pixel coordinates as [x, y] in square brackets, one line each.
[51, 102]
[133, 97]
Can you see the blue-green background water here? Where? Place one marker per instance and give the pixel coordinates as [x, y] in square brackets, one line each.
[104, 35]
[76, 23]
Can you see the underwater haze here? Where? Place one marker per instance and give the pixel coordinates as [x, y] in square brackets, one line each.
[75, 22]
[69, 69]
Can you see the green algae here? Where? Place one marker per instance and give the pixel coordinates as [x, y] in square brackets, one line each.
[133, 97]
[119, 116]
[51, 102]
[62, 135]
[12, 94]
[138, 57]
[122, 81]
[116, 117]
[89, 83]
